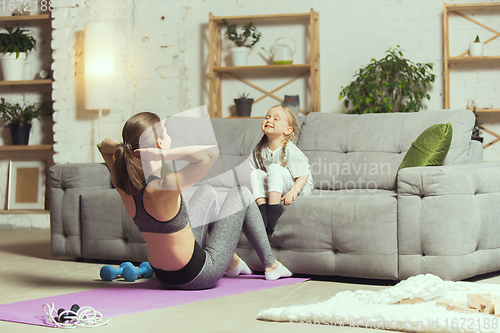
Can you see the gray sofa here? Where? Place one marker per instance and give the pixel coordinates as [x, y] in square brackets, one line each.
[359, 222]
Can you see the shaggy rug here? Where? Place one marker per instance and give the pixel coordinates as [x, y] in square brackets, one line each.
[381, 309]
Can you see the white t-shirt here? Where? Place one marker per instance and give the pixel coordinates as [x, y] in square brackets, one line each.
[296, 162]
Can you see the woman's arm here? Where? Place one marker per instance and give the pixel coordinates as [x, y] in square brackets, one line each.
[109, 146]
[188, 153]
[201, 159]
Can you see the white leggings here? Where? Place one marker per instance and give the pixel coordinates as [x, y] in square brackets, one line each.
[276, 179]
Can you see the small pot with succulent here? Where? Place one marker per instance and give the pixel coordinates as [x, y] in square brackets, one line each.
[14, 47]
[476, 49]
[476, 131]
[244, 41]
[19, 119]
[243, 105]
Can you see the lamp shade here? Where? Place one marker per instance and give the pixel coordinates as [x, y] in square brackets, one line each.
[99, 65]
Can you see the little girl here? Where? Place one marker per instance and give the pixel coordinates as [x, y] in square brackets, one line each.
[277, 166]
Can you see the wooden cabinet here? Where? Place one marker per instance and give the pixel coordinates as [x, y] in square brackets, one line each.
[217, 71]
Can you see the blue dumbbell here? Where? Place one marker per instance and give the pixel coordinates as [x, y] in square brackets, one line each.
[130, 274]
[108, 273]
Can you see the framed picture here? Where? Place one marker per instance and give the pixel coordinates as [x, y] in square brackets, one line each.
[26, 185]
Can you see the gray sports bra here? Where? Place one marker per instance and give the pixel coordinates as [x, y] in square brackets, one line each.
[147, 223]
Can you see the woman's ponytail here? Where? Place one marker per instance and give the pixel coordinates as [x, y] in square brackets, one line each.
[128, 167]
[128, 170]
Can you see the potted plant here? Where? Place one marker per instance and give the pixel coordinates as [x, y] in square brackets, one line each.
[476, 49]
[391, 84]
[476, 131]
[14, 46]
[19, 119]
[241, 39]
[243, 105]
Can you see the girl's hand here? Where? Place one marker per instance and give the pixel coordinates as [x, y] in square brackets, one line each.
[289, 197]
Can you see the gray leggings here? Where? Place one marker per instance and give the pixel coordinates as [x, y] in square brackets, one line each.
[218, 231]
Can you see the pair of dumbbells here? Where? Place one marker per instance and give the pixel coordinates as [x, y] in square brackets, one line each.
[127, 270]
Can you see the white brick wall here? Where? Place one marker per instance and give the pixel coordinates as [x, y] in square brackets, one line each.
[162, 56]
[161, 53]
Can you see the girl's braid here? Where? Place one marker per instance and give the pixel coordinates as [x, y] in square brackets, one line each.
[258, 152]
[288, 139]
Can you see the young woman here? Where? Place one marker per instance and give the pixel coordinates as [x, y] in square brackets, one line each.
[181, 256]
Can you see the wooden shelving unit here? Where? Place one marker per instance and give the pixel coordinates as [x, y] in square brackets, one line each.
[473, 59]
[18, 18]
[27, 148]
[216, 70]
[26, 82]
[464, 57]
[458, 9]
[24, 18]
[42, 152]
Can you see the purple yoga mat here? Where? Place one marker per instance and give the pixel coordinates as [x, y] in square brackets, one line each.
[135, 297]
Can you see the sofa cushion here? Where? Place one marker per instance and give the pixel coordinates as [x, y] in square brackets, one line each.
[430, 148]
[365, 151]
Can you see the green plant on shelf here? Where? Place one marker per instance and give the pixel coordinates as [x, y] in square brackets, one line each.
[244, 95]
[240, 38]
[17, 114]
[16, 41]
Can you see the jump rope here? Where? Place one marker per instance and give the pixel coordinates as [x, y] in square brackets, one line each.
[74, 318]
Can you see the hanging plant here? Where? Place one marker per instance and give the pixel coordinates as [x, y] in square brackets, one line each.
[391, 84]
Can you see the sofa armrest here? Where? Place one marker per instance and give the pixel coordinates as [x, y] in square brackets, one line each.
[67, 183]
[448, 220]
[475, 152]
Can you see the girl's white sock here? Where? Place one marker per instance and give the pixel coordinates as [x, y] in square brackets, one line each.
[281, 271]
[242, 268]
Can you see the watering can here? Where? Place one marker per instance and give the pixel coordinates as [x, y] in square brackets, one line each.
[281, 54]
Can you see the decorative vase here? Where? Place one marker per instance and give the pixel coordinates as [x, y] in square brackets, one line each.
[476, 49]
[20, 134]
[292, 102]
[240, 55]
[243, 106]
[12, 68]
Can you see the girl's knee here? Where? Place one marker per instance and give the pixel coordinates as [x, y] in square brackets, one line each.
[274, 167]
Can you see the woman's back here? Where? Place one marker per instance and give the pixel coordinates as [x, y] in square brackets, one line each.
[164, 225]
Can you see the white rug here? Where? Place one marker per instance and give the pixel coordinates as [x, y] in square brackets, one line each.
[378, 309]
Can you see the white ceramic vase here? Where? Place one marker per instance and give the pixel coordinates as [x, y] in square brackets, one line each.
[12, 68]
[476, 49]
[240, 55]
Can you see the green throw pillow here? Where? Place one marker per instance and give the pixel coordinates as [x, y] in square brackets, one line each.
[430, 148]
